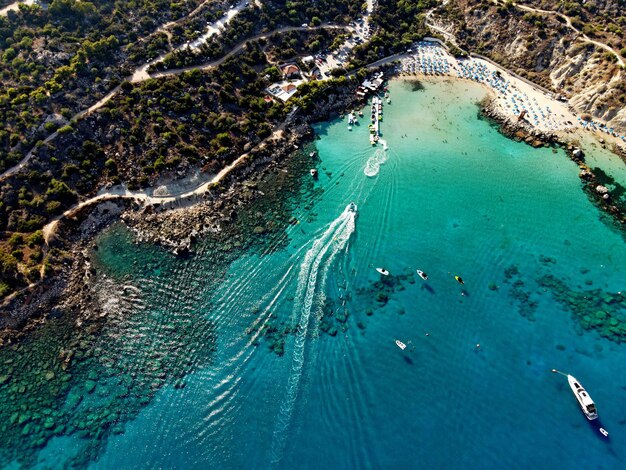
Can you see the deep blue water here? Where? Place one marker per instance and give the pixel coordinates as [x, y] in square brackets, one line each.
[453, 197]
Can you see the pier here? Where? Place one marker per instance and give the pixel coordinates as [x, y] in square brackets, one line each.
[377, 116]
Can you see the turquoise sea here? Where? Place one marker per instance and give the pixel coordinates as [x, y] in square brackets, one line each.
[284, 355]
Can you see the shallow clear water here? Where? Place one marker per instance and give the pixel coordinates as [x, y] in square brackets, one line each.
[453, 197]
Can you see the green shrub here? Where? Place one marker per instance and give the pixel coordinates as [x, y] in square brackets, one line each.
[66, 129]
[35, 239]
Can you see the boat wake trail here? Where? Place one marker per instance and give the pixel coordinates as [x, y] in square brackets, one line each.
[372, 167]
[310, 296]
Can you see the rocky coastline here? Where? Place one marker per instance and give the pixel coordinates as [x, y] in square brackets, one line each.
[175, 226]
[595, 189]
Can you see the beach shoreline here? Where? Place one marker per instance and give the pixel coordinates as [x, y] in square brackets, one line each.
[514, 100]
[568, 140]
[186, 222]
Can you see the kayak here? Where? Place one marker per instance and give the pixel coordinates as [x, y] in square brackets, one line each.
[422, 274]
[383, 271]
[459, 280]
[400, 344]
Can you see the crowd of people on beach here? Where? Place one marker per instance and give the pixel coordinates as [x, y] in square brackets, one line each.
[428, 59]
[431, 59]
[598, 126]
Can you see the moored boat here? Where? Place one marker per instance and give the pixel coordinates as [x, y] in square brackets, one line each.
[383, 271]
[422, 274]
[313, 172]
[400, 344]
[459, 280]
[584, 400]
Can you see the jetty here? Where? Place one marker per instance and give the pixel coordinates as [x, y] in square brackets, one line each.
[377, 116]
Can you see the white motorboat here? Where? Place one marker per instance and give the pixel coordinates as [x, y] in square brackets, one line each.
[313, 172]
[400, 344]
[584, 400]
[422, 274]
[352, 207]
[604, 432]
[383, 271]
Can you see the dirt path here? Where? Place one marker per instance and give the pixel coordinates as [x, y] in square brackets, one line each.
[14, 7]
[140, 77]
[138, 72]
[240, 46]
[121, 193]
[581, 36]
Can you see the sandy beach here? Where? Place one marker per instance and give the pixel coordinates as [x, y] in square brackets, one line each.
[513, 98]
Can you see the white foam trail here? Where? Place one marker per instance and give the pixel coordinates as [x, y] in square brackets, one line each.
[311, 286]
[372, 166]
[384, 143]
[380, 156]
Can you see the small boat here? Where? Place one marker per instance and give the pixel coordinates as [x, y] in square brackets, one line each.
[400, 344]
[604, 432]
[352, 207]
[349, 128]
[360, 113]
[383, 271]
[313, 172]
[422, 274]
[459, 280]
[584, 400]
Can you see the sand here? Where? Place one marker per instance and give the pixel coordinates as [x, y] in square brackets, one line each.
[511, 95]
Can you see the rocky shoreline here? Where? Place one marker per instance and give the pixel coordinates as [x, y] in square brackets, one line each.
[175, 226]
[597, 192]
